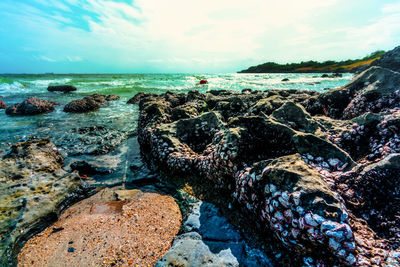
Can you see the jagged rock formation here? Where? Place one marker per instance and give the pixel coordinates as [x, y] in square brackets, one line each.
[33, 190]
[285, 159]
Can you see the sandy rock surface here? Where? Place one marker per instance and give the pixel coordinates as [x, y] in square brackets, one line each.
[33, 189]
[111, 228]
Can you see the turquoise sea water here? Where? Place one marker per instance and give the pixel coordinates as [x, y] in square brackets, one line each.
[119, 116]
[106, 137]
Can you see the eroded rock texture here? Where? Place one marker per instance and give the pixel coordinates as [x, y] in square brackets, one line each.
[285, 159]
[33, 190]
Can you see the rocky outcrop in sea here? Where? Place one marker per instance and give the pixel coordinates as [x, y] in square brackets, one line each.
[312, 168]
[89, 103]
[61, 88]
[31, 106]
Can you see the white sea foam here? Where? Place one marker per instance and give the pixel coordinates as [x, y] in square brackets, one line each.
[45, 83]
[14, 88]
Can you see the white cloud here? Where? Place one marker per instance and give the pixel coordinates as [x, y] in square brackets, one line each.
[73, 58]
[189, 35]
[391, 8]
[44, 58]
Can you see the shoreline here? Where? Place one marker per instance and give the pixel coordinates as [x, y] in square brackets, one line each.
[309, 171]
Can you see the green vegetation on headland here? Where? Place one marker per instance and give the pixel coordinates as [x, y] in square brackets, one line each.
[350, 65]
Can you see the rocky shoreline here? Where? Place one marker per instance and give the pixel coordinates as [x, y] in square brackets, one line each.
[313, 168]
[228, 178]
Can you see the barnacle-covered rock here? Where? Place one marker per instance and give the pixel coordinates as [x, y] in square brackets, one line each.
[294, 200]
[284, 167]
[372, 90]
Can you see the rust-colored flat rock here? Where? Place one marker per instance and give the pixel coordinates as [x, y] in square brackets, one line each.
[112, 228]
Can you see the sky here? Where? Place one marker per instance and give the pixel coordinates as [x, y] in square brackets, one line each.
[188, 36]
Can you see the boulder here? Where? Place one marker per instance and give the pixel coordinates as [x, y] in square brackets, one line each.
[334, 75]
[31, 106]
[390, 60]
[372, 90]
[33, 190]
[61, 88]
[89, 103]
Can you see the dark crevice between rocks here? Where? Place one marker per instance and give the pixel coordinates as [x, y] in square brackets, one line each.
[199, 132]
[261, 140]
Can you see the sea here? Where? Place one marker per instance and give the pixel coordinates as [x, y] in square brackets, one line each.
[107, 136]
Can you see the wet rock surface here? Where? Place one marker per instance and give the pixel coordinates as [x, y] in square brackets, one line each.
[89, 103]
[115, 227]
[287, 162]
[208, 239]
[31, 106]
[33, 190]
[61, 88]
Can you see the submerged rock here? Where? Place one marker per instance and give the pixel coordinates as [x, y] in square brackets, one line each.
[114, 227]
[61, 88]
[89, 103]
[31, 106]
[33, 190]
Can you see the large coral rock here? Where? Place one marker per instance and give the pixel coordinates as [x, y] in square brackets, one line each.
[89, 103]
[33, 190]
[31, 106]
